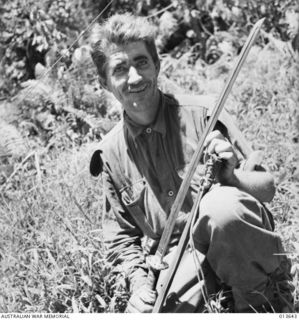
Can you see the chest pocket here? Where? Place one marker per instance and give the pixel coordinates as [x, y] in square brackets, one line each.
[134, 196]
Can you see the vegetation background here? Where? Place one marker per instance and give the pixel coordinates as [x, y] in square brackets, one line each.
[53, 112]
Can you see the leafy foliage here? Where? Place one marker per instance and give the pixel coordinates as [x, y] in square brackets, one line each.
[41, 32]
[29, 33]
[72, 106]
[11, 141]
[37, 32]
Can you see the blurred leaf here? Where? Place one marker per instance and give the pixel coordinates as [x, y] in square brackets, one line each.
[51, 258]
[101, 301]
[296, 245]
[7, 35]
[86, 279]
[11, 141]
[66, 287]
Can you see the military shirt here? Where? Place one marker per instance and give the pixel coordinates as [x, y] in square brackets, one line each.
[142, 169]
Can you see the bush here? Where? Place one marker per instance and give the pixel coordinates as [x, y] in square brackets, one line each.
[36, 33]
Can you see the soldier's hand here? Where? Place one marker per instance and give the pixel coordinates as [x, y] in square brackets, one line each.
[142, 301]
[217, 143]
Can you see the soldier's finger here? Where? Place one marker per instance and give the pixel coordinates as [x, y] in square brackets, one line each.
[219, 145]
[216, 134]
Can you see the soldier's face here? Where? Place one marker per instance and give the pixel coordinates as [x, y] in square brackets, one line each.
[131, 75]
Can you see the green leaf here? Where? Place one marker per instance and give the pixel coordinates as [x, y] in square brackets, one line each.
[66, 287]
[7, 35]
[101, 301]
[19, 31]
[49, 22]
[42, 47]
[86, 279]
[75, 305]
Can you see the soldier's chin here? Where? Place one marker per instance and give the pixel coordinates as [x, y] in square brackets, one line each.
[138, 100]
[138, 105]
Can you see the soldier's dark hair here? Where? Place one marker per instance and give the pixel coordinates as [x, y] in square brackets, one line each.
[121, 29]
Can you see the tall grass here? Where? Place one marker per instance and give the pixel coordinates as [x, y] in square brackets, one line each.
[51, 235]
[52, 253]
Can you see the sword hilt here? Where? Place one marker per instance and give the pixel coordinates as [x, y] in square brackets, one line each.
[155, 262]
[212, 166]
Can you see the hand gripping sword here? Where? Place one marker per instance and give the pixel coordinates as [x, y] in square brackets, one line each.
[155, 262]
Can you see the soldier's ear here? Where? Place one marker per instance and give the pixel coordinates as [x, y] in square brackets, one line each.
[103, 83]
[96, 163]
[157, 64]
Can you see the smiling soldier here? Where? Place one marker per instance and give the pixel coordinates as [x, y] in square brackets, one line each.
[143, 160]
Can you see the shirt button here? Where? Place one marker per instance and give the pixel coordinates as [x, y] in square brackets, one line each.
[170, 193]
[148, 130]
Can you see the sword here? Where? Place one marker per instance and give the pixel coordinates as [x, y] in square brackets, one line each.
[155, 262]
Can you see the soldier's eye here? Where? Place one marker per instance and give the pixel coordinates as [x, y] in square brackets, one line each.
[119, 69]
[142, 63]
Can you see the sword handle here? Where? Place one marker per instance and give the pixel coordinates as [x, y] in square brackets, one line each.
[212, 167]
[155, 262]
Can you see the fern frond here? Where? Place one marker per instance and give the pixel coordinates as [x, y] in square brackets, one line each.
[98, 124]
[35, 93]
[11, 141]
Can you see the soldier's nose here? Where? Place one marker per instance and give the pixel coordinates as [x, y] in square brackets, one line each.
[134, 76]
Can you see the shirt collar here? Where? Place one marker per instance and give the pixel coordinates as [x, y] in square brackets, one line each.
[158, 125]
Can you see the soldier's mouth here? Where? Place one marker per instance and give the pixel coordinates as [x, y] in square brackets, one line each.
[138, 89]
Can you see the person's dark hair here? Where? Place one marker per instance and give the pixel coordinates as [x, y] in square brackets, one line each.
[121, 29]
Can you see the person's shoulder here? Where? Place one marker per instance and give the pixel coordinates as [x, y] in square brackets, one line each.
[191, 102]
[111, 139]
[106, 149]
